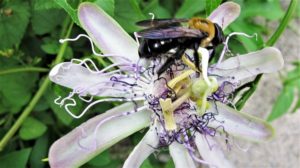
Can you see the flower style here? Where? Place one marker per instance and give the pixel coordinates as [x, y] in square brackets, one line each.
[184, 113]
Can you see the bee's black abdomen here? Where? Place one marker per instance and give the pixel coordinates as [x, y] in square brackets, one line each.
[151, 48]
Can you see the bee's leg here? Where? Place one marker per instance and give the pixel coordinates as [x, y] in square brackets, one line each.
[170, 61]
[212, 53]
[196, 56]
[165, 66]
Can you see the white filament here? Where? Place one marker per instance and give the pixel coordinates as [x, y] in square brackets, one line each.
[93, 48]
[225, 48]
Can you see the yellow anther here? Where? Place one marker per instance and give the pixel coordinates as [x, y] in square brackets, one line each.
[189, 63]
[168, 113]
[179, 78]
[177, 88]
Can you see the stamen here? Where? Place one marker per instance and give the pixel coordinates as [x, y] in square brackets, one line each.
[181, 99]
[189, 63]
[179, 78]
[168, 113]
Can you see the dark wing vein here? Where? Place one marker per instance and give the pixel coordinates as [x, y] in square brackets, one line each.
[160, 22]
[171, 32]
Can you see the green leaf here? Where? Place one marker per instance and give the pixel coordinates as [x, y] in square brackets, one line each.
[102, 159]
[127, 13]
[42, 4]
[14, 19]
[57, 91]
[282, 104]
[69, 9]
[15, 89]
[107, 5]
[44, 21]
[268, 9]
[155, 8]
[293, 76]
[251, 44]
[189, 8]
[170, 164]
[42, 105]
[59, 112]
[146, 164]
[17, 159]
[32, 129]
[39, 152]
[51, 47]
[297, 13]
[297, 106]
[211, 5]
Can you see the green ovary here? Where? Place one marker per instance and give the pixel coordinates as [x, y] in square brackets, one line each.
[201, 90]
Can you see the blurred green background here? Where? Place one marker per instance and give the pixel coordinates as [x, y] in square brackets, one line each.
[29, 47]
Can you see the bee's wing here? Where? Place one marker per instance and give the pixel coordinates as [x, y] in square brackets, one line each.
[170, 32]
[160, 22]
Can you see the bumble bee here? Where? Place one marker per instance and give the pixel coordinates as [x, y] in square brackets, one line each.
[171, 38]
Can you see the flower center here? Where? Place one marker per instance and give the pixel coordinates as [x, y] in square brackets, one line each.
[185, 89]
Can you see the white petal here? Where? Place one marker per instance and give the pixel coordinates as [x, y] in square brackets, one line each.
[211, 152]
[241, 67]
[145, 147]
[241, 125]
[77, 77]
[225, 14]
[107, 34]
[181, 156]
[78, 146]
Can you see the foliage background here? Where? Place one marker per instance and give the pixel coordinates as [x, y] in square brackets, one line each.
[29, 32]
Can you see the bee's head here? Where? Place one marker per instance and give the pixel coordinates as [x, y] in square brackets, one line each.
[219, 35]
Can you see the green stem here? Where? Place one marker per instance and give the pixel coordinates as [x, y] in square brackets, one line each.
[23, 69]
[38, 94]
[283, 24]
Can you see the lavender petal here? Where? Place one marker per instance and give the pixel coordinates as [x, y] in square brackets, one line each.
[107, 34]
[211, 152]
[180, 156]
[145, 147]
[236, 69]
[241, 125]
[225, 14]
[78, 146]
